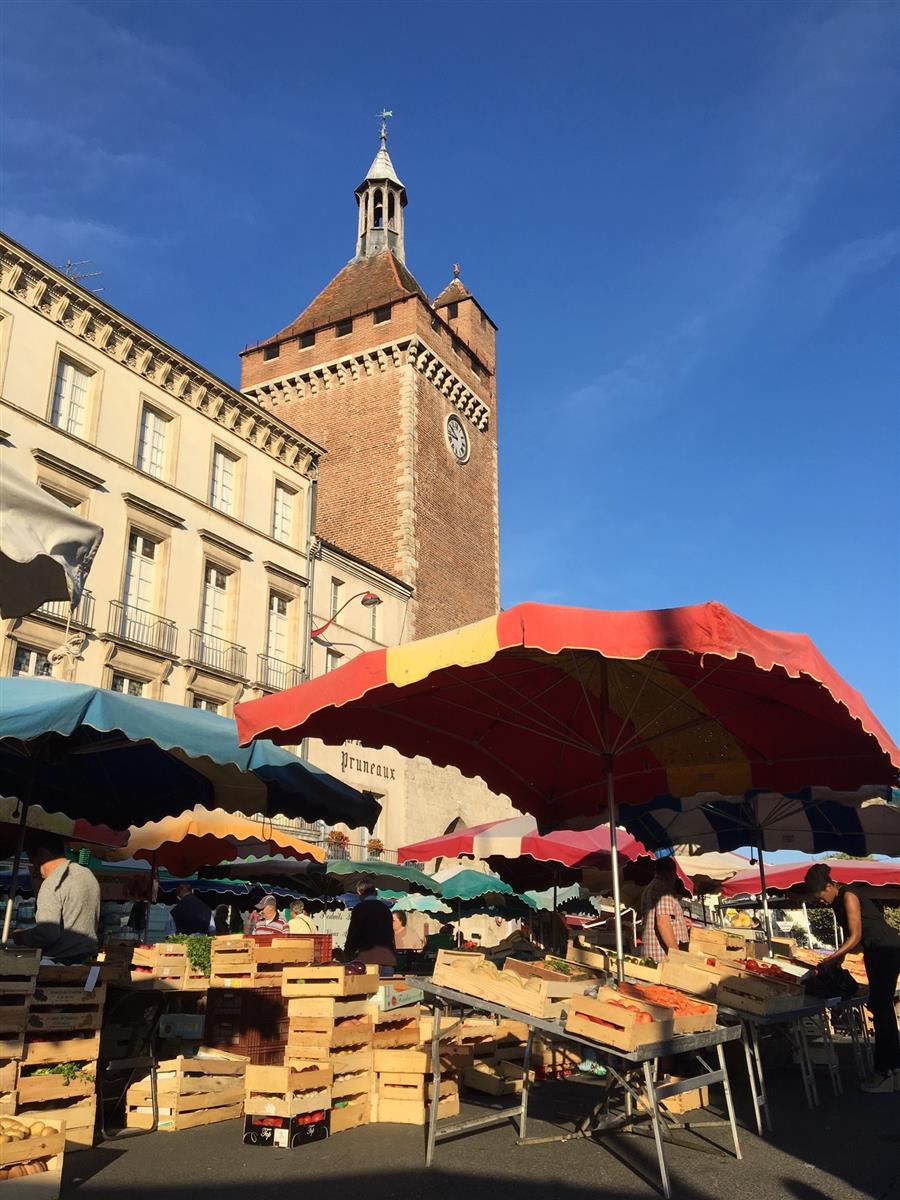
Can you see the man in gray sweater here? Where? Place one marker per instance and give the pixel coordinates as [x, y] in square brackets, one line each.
[67, 914]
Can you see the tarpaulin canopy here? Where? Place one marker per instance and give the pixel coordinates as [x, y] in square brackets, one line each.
[46, 549]
[202, 837]
[544, 702]
[331, 877]
[780, 876]
[120, 760]
[573, 711]
[71, 829]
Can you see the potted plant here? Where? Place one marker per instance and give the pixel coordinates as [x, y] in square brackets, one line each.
[337, 842]
[374, 847]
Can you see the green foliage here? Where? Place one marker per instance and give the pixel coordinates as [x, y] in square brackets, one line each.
[198, 948]
[820, 920]
[68, 1070]
[798, 933]
[892, 916]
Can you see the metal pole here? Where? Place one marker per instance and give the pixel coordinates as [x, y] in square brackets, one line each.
[611, 806]
[809, 932]
[837, 936]
[17, 858]
[765, 899]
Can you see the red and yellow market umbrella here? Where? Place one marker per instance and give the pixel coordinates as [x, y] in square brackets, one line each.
[206, 837]
[571, 711]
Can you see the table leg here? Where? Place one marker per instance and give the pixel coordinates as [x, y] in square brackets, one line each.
[796, 1041]
[436, 1080]
[729, 1103]
[760, 1075]
[810, 1070]
[834, 1070]
[526, 1068]
[657, 1128]
[751, 1076]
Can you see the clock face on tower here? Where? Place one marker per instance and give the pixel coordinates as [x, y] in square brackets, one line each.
[458, 439]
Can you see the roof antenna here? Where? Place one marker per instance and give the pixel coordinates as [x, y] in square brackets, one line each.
[72, 271]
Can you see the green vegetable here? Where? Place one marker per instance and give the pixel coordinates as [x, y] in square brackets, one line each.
[68, 1070]
[199, 951]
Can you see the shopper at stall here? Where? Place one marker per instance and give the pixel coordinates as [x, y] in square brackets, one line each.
[189, 913]
[665, 927]
[370, 935]
[221, 919]
[299, 922]
[67, 913]
[865, 928]
[269, 920]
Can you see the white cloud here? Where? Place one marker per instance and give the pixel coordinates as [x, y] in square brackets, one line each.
[57, 238]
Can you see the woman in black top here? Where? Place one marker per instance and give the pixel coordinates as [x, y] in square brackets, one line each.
[864, 925]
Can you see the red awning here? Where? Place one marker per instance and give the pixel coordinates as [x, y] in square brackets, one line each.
[781, 876]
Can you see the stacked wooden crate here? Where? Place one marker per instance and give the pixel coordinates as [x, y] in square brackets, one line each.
[331, 1028]
[31, 1162]
[58, 1072]
[18, 976]
[197, 1090]
[405, 1086]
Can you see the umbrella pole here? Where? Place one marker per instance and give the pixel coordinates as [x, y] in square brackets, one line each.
[765, 900]
[614, 864]
[809, 932]
[17, 858]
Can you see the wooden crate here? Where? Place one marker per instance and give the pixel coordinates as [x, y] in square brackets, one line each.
[75, 1047]
[353, 1112]
[691, 973]
[727, 943]
[415, 1112]
[233, 962]
[272, 958]
[78, 1119]
[495, 1079]
[9, 1074]
[329, 980]
[191, 1091]
[332, 1008]
[62, 1009]
[351, 1083]
[319, 1038]
[753, 994]
[287, 1091]
[473, 976]
[552, 986]
[19, 966]
[344, 1061]
[35, 1090]
[399, 1032]
[620, 1027]
[49, 1149]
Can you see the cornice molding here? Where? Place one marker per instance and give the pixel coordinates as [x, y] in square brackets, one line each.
[284, 573]
[47, 291]
[321, 377]
[45, 459]
[222, 543]
[153, 510]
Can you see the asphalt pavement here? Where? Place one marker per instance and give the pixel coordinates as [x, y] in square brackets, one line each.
[847, 1149]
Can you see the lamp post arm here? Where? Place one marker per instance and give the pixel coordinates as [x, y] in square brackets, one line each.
[314, 633]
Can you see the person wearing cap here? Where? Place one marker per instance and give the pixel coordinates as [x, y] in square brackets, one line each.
[269, 920]
[864, 927]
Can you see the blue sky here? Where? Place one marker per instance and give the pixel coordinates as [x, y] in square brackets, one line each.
[682, 216]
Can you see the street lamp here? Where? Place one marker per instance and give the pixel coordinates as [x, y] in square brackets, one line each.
[367, 599]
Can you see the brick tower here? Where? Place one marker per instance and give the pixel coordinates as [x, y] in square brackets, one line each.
[402, 394]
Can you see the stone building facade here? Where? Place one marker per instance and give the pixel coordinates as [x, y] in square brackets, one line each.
[236, 523]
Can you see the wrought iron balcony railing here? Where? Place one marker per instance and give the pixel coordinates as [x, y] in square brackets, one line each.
[276, 675]
[142, 628]
[217, 654]
[59, 610]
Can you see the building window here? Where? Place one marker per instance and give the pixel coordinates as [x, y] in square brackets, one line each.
[140, 573]
[70, 397]
[151, 454]
[214, 614]
[29, 660]
[305, 340]
[222, 484]
[332, 660]
[127, 684]
[336, 586]
[476, 365]
[271, 351]
[283, 513]
[205, 703]
[277, 630]
[452, 311]
[342, 328]
[380, 315]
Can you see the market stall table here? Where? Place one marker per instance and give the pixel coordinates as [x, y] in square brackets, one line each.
[619, 1064]
[791, 1025]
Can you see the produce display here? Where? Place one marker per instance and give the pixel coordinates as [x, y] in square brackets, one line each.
[13, 1130]
[766, 970]
[665, 997]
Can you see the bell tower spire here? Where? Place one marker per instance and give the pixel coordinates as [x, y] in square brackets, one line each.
[381, 198]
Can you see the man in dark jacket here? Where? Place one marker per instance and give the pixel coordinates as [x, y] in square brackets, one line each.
[370, 937]
[190, 914]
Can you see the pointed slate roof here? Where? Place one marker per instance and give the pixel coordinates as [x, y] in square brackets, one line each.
[363, 284]
[382, 168]
[454, 291]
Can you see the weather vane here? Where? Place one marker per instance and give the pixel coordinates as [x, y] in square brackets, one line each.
[383, 116]
[456, 270]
